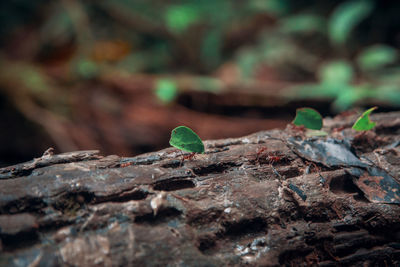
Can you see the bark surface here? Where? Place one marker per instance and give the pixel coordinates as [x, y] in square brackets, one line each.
[273, 198]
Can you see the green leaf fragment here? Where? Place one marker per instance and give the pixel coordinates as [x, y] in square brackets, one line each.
[309, 118]
[364, 122]
[315, 133]
[166, 90]
[186, 139]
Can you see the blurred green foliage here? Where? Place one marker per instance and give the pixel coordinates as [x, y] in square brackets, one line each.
[180, 17]
[303, 23]
[86, 69]
[336, 74]
[344, 50]
[166, 90]
[346, 17]
[376, 57]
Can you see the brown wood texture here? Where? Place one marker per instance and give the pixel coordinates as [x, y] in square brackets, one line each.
[250, 201]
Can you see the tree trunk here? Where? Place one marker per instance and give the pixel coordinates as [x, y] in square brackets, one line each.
[273, 198]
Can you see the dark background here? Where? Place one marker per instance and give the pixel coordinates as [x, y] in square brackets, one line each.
[118, 75]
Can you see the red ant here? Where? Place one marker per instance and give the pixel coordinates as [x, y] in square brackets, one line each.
[299, 129]
[188, 157]
[347, 113]
[123, 165]
[259, 152]
[339, 129]
[271, 158]
[312, 164]
[274, 159]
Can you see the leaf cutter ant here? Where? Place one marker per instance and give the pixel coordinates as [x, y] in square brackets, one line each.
[123, 165]
[188, 157]
[270, 157]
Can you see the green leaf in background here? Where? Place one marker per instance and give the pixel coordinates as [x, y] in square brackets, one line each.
[206, 84]
[346, 17]
[336, 72]
[303, 23]
[166, 90]
[377, 56]
[34, 79]
[185, 139]
[247, 60]
[349, 95]
[154, 59]
[309, 118]
[211, 48]
[364, 123]
[180, 17]
[87, 69]
[58, 27]
[27, 77]
[387, 93]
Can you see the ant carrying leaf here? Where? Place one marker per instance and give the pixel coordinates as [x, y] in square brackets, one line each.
[270, 157]
[364, 123]
[309, 118]
[186, 139]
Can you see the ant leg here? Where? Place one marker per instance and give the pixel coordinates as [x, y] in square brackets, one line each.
[182, 160]
[259, 153]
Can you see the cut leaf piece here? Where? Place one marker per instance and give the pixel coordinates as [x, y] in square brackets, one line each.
[185, 139]
[315, 133]
[309, 117]
[364, 123]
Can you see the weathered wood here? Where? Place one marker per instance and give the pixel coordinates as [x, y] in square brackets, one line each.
[253, 200]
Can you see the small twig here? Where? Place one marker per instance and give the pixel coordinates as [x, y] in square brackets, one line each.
[336, 210]
[87, 222]
[330, 253]
[180, 197]
[276, 172]
[373, 217]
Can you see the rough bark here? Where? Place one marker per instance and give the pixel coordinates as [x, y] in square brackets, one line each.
[258, 200]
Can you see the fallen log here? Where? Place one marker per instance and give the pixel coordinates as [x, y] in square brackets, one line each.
[273, 198]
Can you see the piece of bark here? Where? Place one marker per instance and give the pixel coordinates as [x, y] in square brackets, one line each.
[257, 200]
